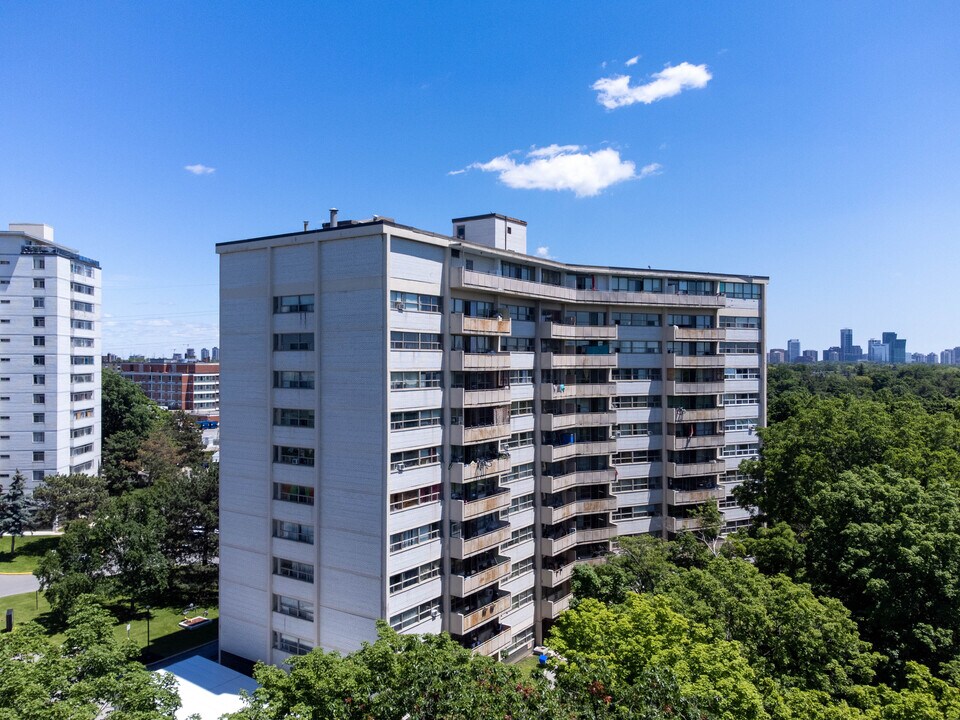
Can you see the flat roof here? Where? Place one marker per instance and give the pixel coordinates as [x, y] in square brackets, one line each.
[491, 215]
[207, 688]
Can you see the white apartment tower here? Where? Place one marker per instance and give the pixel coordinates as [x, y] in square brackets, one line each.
[435, 430]
[49, 357]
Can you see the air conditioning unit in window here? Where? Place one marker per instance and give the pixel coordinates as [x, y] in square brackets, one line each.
[399, 305]
[400, 467]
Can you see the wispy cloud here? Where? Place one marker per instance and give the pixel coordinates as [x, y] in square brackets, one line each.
[199, 169]
[632, 61]
[543, 251]
[614, 92]
[564, 167]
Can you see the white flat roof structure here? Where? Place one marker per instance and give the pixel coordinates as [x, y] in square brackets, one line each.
[207, 688]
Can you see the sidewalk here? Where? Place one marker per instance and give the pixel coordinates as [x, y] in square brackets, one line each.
[15, 584]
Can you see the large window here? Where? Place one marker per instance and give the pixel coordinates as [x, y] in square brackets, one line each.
[739, 348]
[636, 284]
[293, 569]
[414, 341]
[639, 347]
[293, 341]
[741, 374]
[81, 306]
[637, 374]
[520, 312]
[517, 271]
[414, 301]
[414, 576]
[626, 402]
[293, 607]
[293, 379]
[690, 321]
[640, 319]
[641, 483]
[297, 532]
[293, 455]
[400, 461]
[293, 303]
[635, 512]
[741, 450]
[732, 321]
[518, 536]
[290, 644]
[408, 618]
[743, 291]
[81, 288]
[288, 492]
[414, 498]
[414, 419]
[286, 417]
[413, 380]
[740, 398]
[631, 457]
[638, 429]
[415, 536]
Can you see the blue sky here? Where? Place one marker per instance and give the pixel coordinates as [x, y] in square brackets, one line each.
[816, 143]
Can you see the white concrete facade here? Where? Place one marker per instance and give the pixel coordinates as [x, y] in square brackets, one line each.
[49, 357]
[435, 430]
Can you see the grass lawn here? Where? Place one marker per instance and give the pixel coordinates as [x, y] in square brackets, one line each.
[527, 665]
[166, 637]
[27, 554]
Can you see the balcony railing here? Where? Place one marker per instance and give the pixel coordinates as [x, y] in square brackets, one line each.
[695, 334]
[675, 525]
[551, 361]
[497, 640]
[556, 483]
[699, 415]
[463, 585]
[692, 443]
[551, 608]
[461, 510]
[694, 388]
[463, 622]
[713, 467]
[556, 545]
[564, 331]
[597, 534]
[561, 391]
[461, 324]
[692, 497]
[461, 548]
[673, 360]
[461, 361]
[462, 435]
[464, 398]
[575, 419]
[464, 472]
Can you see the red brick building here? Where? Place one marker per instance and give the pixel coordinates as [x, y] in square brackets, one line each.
[193, 387]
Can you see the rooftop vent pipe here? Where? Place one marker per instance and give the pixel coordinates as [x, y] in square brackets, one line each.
[333, 217]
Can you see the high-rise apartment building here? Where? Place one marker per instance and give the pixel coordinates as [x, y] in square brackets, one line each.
[435, 430]
[49, 357]
[193, 387]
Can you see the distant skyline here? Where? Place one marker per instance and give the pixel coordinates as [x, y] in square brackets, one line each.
[814, 143]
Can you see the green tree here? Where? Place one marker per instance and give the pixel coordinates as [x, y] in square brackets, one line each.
[87, 673]
[62, 498]
[641, 565]
[16, 509]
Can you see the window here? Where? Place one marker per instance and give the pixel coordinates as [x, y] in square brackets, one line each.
[292, 341]
[636, 284]
[39, 360]
[414, 380]
[521, 567]
[293, 303]
[741, 374]
[638, 429]
[293, 379]
[521, 377]
[740, 424]
[81, 288]
[39, 379]
[690, 321]
[414, 498]
[39, 263]
[293, 418]
[518, 472]
[39, 322]
[519, 504]
[638, 319]
[39, 399]
[408, 618]
[400, 461]
[81, 450]
[634, 512]
[634, 484]
[80, 432]
[623, 402]
[631, 457]
[293, 607]
[296, 532]
[80, 396]
[524, 638]
[638, 347]
[740, 399]
[81, 324]
[637, 374]
[728, 321]
[293, 455]
[38, 475]
[551, 277]
[414, 419]
[414, 301]
[82, 360]
[739, 348]
[293, 569]
[518, 536]
[414, 341]
[290, 644]
[461, 233]
[415, 536]
[81, 306]
[521, 599]
[517, 271]
[516, 344]
[287, 492]
[520, 408]
[81, 342]
[520, 312]
[691, 287]
[414, 576]
[743, 291]
[39, 437]
[79, 269]
[39, 283]
[81, 378]
[39, 417]
[81, 414]
[38, 455]
[741, 450]
[519, 440]
[38, 302]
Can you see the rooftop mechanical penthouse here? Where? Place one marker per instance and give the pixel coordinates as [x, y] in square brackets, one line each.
[436, 430]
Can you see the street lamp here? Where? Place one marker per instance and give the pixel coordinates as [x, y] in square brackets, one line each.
[148, 626]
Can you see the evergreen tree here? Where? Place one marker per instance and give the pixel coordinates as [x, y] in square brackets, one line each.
[16, 510]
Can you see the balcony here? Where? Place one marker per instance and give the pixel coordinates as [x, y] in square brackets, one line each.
[555, 361]
[464, 472]
[692, 469]
[553, 453]
[462, 510]
[460, 324]
[596, 534]
[463, 398]
[558, 422]
[672, 442]
[462, 435]
[693, 497]
[696, 334]
[675, 525]
[463, 585]
[560, 573]
[562, 331]
[552, 484]
[699, 415]
[672, 360]
[465, 621]
[596, 505]
[575, 419]
[555, 546]
[554, 392]
[462, 361]
[461, 548]
[694, 388]
[496, 640]
[551, 608]
[551, 515]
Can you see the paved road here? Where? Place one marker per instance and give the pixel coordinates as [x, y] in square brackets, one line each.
[16, 584]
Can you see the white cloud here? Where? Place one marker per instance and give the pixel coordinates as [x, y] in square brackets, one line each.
[543, 251]
[199, 169]
[564, 167]
[614, 92]
[651, 169]
[456, 172]
[632, 61]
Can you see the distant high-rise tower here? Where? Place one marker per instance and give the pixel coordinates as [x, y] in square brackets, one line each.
[898, 347]
[846, 345]
[793, 351]
[204, 355]
[191, 354]
[215, 354]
